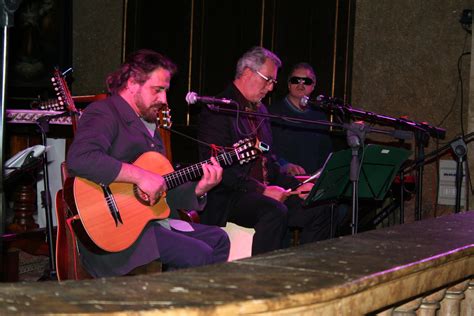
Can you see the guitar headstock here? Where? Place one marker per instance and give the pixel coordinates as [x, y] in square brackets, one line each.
[164, 118]
[248, 149]
[62, 91]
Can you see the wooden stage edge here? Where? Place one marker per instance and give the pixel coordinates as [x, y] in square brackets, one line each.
[350, 275]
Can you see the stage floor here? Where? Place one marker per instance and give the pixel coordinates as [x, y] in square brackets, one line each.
[344, 275]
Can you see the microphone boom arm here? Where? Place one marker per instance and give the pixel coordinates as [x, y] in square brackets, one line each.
[393, 133]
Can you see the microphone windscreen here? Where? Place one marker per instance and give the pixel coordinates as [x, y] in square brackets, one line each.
[191, 97]
[304, 101]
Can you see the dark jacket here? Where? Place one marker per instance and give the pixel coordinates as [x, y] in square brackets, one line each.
[304, 144]
[224, 129]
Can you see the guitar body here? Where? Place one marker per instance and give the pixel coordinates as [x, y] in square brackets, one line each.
[94, 212]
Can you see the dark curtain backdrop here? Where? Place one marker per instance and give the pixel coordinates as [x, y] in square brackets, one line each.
[206, 38]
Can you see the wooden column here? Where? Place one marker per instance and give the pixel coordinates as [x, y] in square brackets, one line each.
[467, 305]
[451, 304]
[430, 303]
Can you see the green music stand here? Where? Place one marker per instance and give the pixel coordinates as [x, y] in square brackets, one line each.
[379, 166]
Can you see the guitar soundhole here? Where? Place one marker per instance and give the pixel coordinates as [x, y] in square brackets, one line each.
[141, 196]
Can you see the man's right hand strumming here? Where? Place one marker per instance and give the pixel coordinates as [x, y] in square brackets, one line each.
[152, 184]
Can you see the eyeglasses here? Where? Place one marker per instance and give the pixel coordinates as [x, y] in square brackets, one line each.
[267, 79]
[305, 80]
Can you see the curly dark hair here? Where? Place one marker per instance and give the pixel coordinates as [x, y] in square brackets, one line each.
[138, 65]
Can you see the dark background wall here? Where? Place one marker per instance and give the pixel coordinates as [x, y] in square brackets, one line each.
[97, 37]
[206, 38]
[405, 63]
[395, 58]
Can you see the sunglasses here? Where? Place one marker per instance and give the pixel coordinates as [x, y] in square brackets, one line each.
[297, 80]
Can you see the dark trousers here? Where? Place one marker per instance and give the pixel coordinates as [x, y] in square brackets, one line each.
[314, 222]
[271, 219]
[267, 216]
[204, 245]
[176, 249]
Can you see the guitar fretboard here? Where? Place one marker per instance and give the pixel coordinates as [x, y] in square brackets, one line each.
[193, 172]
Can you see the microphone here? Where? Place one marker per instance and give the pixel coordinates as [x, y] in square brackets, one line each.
[193, 97]
[304, 101]
[324, 102]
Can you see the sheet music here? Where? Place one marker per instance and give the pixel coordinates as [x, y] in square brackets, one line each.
[23, 157]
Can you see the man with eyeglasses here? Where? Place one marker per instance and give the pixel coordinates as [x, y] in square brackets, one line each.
[257, 194]
[301, 148]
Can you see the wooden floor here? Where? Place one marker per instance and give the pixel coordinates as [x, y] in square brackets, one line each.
[338, 274]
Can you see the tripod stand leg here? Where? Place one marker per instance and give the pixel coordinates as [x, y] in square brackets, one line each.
[402, 198]
[48, 212]
[331, 229]
[459, 148]
[355, 208]
[459, 176]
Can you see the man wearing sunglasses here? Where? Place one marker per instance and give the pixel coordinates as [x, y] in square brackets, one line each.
[256, 194]
[301, 148]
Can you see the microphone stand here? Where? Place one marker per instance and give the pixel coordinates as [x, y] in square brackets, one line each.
[7, 10]
[422, 131]
[421, 140]
[355, 137]
[459, 148]
[43, 124]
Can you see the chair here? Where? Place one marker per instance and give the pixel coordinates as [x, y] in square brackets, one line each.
[68, 265]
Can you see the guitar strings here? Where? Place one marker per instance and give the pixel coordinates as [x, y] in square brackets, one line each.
[180, 176]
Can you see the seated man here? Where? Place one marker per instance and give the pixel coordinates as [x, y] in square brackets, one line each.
[114, 132]
[256, 195]
[301, 148]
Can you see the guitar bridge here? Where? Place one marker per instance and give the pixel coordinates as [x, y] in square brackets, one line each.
[113, 209]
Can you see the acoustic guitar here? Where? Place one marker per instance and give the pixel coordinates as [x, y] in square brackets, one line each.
[114, 216]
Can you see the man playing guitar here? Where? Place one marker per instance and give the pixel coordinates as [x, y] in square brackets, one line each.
[111, 134]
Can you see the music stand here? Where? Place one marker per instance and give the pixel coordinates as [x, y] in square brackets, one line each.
[379, 167]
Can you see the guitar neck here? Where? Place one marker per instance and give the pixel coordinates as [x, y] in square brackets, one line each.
[194, 172]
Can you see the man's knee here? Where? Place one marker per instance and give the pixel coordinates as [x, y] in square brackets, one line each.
[204, 256]
[222, 247]
[277, 210]
[215, 250]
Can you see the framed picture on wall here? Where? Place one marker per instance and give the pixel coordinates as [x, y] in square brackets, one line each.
[39, 40]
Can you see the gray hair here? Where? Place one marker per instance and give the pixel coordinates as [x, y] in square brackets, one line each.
[254, 59]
